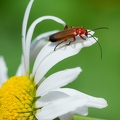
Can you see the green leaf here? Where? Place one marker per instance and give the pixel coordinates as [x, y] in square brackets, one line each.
[85, 118]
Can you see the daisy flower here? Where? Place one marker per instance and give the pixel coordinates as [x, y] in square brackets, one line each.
[29, 95]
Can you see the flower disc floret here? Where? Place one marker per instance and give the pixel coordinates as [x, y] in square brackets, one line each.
[17, 99]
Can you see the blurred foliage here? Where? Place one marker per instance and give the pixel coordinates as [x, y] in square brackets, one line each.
[86, 118]
[99, 78]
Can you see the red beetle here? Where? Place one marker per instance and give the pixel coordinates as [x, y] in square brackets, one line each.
[68, 33]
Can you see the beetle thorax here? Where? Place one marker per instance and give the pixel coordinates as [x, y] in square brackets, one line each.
[80, 31]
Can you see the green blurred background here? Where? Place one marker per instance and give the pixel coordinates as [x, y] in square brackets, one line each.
[100, 78]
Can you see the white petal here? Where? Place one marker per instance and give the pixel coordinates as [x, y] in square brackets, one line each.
[88, 42]
[92, 101]
[49, 97]
[24, 27]
[25, 19]
[50, 57]
[38, 43]
[71, 92]
[31, 30]
[97, 103]
[81, 111]
[21, 69]
[90, 33]
[3, 71]
[36, 48]
[58, 80]
[57, 95]
[60, 107]
[67, 116]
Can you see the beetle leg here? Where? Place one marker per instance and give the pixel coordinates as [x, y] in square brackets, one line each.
[66, 27]
[82, 37]
[58, 44]
[71, 41]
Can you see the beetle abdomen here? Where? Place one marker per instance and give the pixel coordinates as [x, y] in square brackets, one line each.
[52, 38]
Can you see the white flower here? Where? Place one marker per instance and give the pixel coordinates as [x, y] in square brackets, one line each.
[31, 96]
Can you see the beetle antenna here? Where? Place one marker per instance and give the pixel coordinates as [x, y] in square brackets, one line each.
[98, 44]
[95, 38]
[100, 28]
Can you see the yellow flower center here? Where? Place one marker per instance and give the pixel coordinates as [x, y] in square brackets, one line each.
[17, 99]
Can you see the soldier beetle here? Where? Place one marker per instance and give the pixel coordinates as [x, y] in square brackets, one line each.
[72, 32]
